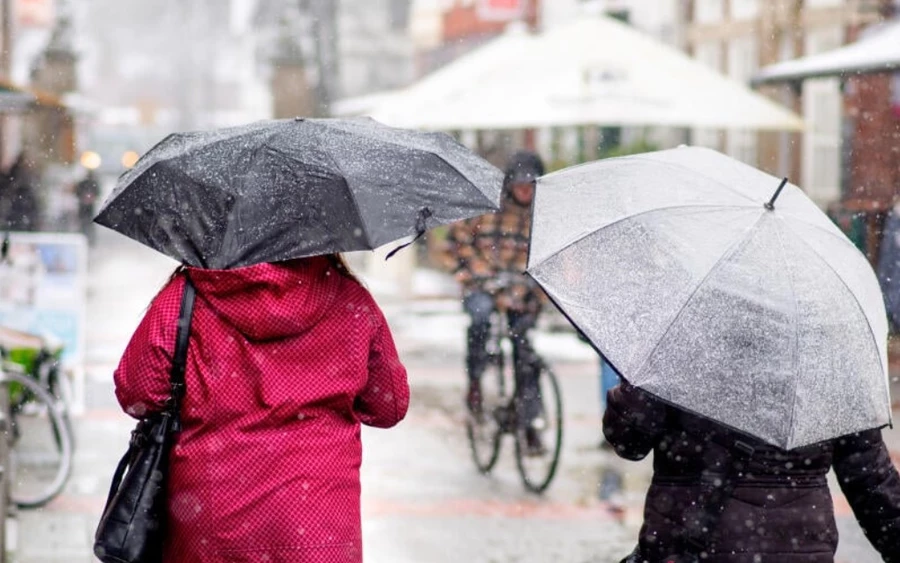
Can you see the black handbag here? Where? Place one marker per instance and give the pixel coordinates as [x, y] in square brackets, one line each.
[133, 522]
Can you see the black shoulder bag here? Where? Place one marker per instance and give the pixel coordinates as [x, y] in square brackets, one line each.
[717, 482]
[133, 522]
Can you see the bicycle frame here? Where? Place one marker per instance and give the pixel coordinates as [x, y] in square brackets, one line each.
[14, 373]
[502, 414]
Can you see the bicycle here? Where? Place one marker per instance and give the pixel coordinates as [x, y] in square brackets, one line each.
[40, 433]
[42, 362]
[500, 414]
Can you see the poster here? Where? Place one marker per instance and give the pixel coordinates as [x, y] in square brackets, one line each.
[43, 290]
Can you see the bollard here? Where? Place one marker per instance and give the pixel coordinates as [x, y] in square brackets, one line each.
[5, 471]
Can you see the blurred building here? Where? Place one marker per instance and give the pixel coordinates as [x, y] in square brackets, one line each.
[737, 37]
[178, 65]
[38, 61]
[37, 128]
[349, 48]
[869, 124]
[446, 29]
[147, 69]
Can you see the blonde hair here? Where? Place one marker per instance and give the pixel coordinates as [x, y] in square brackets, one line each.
[340, 264]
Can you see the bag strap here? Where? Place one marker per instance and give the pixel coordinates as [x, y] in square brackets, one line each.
[717, 483]
[179, 360]
[173, 404]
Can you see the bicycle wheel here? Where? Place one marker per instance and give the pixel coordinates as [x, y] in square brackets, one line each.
[60, 387]
[41, 448]
[537, 468]
[485, 432]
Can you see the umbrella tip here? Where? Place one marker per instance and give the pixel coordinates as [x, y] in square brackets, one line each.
[770, 205]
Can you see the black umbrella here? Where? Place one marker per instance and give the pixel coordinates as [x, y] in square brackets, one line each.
[276, 190]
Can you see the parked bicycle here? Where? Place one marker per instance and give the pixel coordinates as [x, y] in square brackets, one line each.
[40, 431]
[501, 413]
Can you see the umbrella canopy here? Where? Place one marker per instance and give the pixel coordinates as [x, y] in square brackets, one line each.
[282, 189]
[592, 71]
[877, 51]
[769, 321]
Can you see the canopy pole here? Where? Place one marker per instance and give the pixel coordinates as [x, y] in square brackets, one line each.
[771, 204]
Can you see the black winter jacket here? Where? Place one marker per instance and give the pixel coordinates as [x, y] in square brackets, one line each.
[780, 510]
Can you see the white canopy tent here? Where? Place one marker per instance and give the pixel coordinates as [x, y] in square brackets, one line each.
[592, 71]
[878, 50]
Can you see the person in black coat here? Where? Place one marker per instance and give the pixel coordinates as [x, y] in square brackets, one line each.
[87, 191]
[23, 207]
[780, 509]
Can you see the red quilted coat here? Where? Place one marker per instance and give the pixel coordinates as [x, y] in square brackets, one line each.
[284, 363]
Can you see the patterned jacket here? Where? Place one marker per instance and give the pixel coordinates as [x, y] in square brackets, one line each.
[493, 249]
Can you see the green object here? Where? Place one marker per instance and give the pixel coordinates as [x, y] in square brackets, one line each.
[853, 224]
[30, 358]
[25, 357]
[637, 147]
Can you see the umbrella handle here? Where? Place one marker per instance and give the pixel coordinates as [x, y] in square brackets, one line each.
[424, 214]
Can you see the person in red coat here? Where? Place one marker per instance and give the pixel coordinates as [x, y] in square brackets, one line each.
[285, 361]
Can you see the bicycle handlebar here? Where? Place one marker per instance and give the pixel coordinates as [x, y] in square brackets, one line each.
[503, 280]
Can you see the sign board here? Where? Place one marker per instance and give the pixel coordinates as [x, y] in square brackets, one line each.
[43, 291]
[501, 10]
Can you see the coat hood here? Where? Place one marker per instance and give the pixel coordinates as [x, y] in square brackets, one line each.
[272, 300]
[523, 166]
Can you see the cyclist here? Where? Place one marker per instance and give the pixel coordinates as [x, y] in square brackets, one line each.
[487, 255]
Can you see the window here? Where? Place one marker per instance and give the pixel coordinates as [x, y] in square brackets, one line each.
[822, 114]
[709, 11]
[709, 54]
[742, 63]
[744, 9]
[398, 12]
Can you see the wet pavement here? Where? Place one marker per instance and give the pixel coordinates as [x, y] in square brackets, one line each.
[423, 500]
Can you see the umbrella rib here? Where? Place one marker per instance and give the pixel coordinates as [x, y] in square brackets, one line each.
[737, 245]
[465, 179]
[626, 218]
[362, 220]
[693, 171]
[356, 207]
[403, 143]
[800, 219]
[191, 182]
[797, 366]
[407, 146]
[858, 305]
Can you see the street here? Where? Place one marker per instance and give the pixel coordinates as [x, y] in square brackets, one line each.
[423, 500]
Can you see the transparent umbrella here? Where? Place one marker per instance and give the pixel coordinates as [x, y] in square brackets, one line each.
[708, 290]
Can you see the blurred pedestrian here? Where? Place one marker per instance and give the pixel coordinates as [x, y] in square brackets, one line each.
[285, 361]
[87, 191]
[487, 255]
[743, 500]
[22, 207]
[609, 378]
